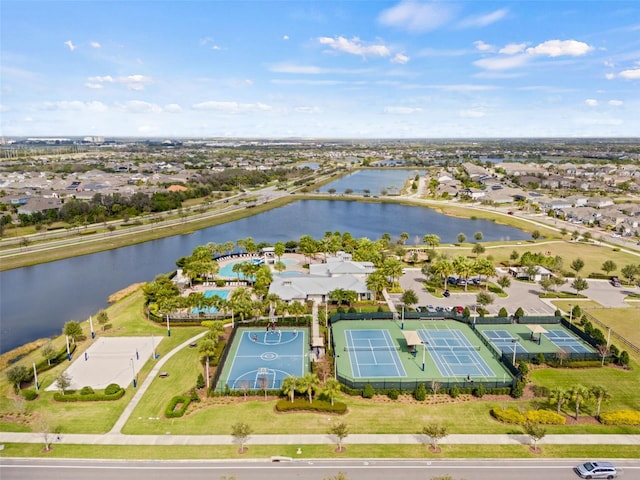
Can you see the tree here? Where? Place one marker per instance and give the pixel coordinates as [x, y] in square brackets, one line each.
[331, 389]
[535, 234]
[102, 317]
[240, 431]
[435, 432]
[579, 284]
[514, 256]
[630, 271]
[558, 395]
[377, 282]
[49, 352]
[16, 375]
[478, 236]
[63, 382]
[578, 395]
[484, 298]
[279, 249]
[308, 384]
[504, 281]
[609, 266]
[207, 348]
[341, 431]
[404, 236]
[478, 249]
[289, 386]
[444, 268]
[409, 297]
[600, 395]
[432, 240]
[73, 330]
[461, 237]
[577, 265]
[536, 432]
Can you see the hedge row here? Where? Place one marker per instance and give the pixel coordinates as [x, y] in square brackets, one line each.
[302, 405]
[513, 416]
[172, 411]
[621, 417]
[91, 397]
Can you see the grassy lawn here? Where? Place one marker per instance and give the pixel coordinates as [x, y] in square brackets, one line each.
[212, 452]
[623, 321]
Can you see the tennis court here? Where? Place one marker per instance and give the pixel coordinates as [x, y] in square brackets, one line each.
[564, 341]
[373, 354]
[454, 355]
[263, 358]
[505, 341]
[390, 354]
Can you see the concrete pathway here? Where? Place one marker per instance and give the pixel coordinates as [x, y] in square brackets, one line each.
[321, 439]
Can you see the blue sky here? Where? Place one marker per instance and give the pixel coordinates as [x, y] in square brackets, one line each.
[322, 69]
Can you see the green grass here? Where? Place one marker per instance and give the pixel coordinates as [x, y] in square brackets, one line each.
[390, 451]
[624, 321]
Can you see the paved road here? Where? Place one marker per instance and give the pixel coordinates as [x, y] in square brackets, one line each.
[365, 469]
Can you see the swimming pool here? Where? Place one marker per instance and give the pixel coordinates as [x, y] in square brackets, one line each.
[227, 270]
[224, 294]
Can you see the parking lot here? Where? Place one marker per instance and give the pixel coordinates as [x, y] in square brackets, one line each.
[520, 294]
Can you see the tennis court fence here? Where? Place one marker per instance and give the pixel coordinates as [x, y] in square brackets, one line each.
[411, 385]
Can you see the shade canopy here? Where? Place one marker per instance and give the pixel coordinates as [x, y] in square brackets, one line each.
[537, 329]
[412, 338]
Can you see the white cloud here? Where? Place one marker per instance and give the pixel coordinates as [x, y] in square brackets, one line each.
[73, 105]
[307, 109]
[173, 108]
[402, 110]
[417, 17]
[231, 107]
[400, 58]
[355, 47]
[471, 113]
[70, 45]
[513, 48]
[482, 46]
[590, 102]
[615, 103]
[296, 69]
[138, 106]
[94, 86]
[502, 63]
[285, 37]
[483, 20]
[558, 48]
[610, 76]
[132, 82]
[95, 45]
[633, 74]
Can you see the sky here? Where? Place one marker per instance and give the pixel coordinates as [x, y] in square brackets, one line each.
[320, 69]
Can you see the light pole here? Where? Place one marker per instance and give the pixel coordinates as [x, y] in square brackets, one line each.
[168, 327]
[424, 353]
[133, 373]
[571, 314]
[515, 348]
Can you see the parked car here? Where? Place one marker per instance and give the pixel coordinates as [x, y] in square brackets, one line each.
[615, 281]
[446, 294]
[461, 282]
[458, 309]
[419, 308]
[452, 280]
[596, 470]
[448, 309]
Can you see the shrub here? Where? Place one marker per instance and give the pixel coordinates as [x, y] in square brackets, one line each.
[200, 381]
[86, 391]
[540, 391]
[173, 411]
[545, 417]
[620, 417]
[112, 388]
[29, 394]
[517, 389]
[194, 395]
[454, 392]
[479, 391]
[624, 358]
[420, 393]
[503, 312]
[519, 312]
[303, 405]
[393, 394]
[90, 397]
[368, 391]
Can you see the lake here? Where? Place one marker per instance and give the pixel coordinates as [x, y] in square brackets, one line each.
[36, 301]
[373, 180]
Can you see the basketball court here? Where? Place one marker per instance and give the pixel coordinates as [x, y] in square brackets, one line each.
[110, 360]
[262, 358]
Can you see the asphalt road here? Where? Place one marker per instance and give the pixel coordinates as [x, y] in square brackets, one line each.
[560, 469]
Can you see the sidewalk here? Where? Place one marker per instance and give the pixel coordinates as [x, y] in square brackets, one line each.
[322, 439]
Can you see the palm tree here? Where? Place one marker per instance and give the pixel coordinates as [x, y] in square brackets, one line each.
[409, 297]
[377, 282]
[432, 240]
[484, 266]
[331, 389]
[558, 395]
[308, 384]
[444, 268]
[600, 394]
[463, 268]
[289, 386]
[207, 348]
[578, 395]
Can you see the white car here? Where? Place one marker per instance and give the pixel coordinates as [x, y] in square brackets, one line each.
[596, 470]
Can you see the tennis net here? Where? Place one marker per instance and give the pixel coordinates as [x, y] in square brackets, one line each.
[354, 348]
[470, 348]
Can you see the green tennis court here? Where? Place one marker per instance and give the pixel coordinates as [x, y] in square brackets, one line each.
[381, 353]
